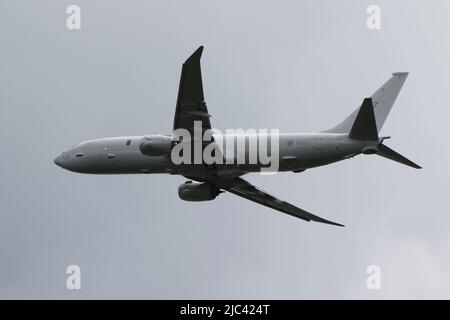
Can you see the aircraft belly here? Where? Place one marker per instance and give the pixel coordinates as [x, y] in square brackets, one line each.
[315, 156]
[122, 163]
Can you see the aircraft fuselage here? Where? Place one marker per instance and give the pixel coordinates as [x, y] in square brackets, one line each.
[122, 155]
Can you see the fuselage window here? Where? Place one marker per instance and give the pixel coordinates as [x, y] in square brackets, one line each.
[128, 142]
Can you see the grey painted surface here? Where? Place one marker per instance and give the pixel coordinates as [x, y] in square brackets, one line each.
[294, 66]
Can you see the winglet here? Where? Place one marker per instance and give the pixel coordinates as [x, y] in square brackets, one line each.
[196, 55]
[322, 220]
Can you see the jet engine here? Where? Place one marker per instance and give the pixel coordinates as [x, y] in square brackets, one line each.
[190, 191]
[157, 145]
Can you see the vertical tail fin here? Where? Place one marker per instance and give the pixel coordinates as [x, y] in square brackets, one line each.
[383, 100]
[366, 121]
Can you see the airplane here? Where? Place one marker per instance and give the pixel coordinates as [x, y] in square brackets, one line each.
[150, 154]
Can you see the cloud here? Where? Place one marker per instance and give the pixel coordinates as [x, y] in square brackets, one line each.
[411, 268]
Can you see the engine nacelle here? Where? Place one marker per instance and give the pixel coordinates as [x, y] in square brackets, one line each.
[190, 191]
[156, 145]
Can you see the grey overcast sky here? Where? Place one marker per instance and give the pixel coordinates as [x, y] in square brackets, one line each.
[294, 65]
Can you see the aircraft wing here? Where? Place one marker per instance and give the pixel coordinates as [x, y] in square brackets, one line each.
[190, 103]
[244, 189]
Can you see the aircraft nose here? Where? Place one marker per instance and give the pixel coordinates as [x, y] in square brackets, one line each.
[75, 162]
[58, 160]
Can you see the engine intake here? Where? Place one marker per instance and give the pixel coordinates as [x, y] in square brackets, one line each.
[156, 145]
[190, 191]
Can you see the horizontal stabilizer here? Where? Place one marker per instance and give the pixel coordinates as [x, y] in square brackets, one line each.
[365, 126]
[392, 155]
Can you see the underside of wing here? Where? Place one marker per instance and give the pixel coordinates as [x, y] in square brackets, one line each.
[191, 104]
[242, 188]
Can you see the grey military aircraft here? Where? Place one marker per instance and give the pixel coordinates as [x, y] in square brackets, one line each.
[357, 134]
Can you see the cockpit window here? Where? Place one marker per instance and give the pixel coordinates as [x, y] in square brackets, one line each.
[78, 155]
[128, 142]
